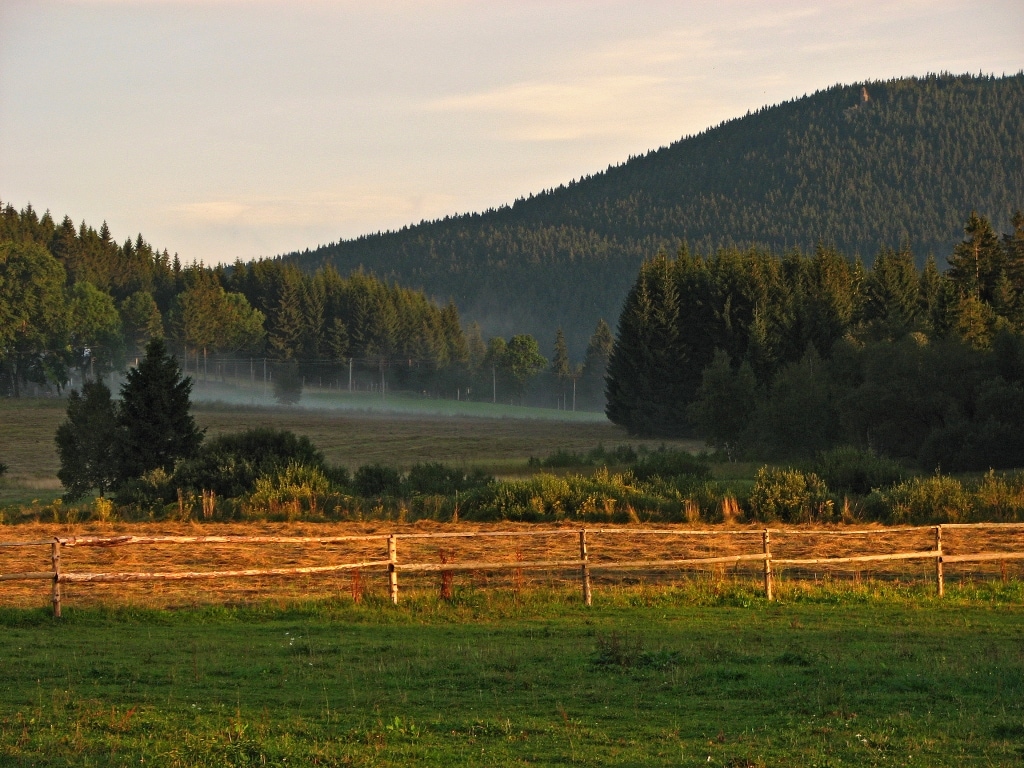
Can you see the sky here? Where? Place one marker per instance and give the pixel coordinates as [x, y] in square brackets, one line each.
[235, 129]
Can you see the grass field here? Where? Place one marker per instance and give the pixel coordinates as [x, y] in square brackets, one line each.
[872, 676]
[700, 671]
[349, 437]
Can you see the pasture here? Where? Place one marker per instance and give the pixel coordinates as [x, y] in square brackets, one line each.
[688, 676]
[689, 671]
[350, 430]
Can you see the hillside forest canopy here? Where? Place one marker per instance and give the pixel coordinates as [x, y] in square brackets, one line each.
[855, 166]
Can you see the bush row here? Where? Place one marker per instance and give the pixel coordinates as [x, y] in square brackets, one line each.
[268, 474]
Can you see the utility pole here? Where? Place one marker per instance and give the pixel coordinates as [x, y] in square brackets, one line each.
[350, 375]
[494, 385]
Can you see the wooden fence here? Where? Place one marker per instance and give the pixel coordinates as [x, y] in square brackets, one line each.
[584, 561]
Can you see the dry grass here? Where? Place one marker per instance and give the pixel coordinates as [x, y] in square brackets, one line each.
[627, 543]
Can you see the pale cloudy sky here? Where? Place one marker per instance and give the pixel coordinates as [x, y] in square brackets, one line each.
[226, 129]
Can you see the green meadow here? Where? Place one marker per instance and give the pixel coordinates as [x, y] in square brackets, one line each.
[705, 674]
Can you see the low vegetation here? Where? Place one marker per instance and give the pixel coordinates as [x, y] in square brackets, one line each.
[845, 676]
[269, 474]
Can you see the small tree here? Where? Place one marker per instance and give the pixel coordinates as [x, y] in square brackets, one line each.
[156, 427]
[87, 442]
[287, 382]
[523, 361]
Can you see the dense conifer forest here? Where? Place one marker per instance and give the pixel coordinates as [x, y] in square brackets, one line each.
[858, 167]
[791, 355]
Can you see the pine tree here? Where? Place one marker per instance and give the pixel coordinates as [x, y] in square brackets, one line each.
[978, 260]
[595, 366]
[156, 426]
[87, 442]
[891, 295]
[560, 367]
[643, 381]
[287, 322]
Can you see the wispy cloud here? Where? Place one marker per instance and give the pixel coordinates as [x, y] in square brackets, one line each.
[559, 111]
[355, 204]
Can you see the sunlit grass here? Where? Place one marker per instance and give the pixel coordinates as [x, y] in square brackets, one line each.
[706, 673]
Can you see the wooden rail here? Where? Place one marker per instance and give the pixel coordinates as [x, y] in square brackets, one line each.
[584, 562]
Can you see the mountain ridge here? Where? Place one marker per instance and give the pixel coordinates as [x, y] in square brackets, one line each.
[905, 165]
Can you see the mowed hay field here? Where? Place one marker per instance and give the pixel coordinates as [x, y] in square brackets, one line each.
[348, 438]
[427, 542]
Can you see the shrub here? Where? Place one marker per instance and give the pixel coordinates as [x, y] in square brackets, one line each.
[298, 486]
[3, 469]
[622, 454]
[377, 480]
[560, 458]
[1001, 497]
[434, 478]
[925, 500]
[230, 464]
[851, 470]
[669, 463]
[790, 496]
[151, 490]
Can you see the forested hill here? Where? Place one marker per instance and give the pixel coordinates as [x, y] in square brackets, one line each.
[857, 166]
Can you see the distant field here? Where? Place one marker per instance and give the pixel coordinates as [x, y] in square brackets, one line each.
[649, 678]
[344, 427]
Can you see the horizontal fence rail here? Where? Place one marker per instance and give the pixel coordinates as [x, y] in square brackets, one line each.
[389, 563]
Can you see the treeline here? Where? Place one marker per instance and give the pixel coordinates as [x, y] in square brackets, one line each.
[75, 304]
[787, 356]
[854, 165]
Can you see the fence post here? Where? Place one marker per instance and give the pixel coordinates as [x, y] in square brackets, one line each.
[55, 558]
[766, 544]
[585, 568]
[940, 582]
[392, 573]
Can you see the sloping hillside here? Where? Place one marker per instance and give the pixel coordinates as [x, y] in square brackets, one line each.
[859, 166]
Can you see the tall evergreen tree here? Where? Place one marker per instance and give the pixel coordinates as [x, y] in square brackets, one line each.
[978, 260]
[560, 366]
[891, 295]
[157, 428]
[595, 366]
[643, 395]
[87, 442]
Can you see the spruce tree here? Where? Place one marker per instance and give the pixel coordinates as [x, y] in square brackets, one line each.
[595, 366]
[891, 295]
[87, 442]
[156, 427]
[560, 367]
[978, 260]
[643, 372]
